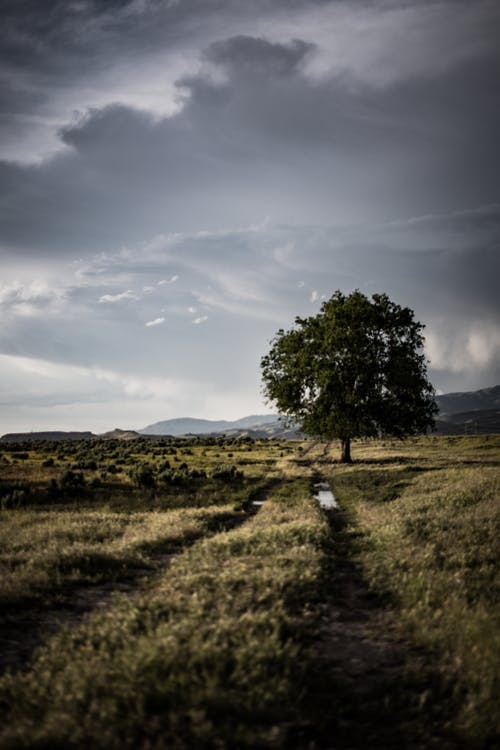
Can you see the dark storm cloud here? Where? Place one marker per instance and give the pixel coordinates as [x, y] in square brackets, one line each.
[367, 134]
[265, 139]
[58, 39]
[248, 55]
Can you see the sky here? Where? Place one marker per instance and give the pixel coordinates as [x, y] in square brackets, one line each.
[181, 178]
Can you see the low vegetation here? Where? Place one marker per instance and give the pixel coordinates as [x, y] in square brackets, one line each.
[215, 645]
[429, 512]
[208, 657]
[46, 551]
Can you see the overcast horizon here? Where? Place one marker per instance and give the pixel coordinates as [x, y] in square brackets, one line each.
[181, 178]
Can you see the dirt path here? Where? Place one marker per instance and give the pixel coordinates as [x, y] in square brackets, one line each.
[24, 629]
[367, 690]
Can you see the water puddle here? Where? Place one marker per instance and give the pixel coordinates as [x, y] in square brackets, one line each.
[325, 496]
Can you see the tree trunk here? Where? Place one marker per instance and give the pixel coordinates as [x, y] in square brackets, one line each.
[345, 455]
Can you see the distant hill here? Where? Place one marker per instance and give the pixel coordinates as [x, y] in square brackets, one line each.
[118, 434]
[17, 437]
[271, 430]
[461, 402]
[477, 422]
[191, 426]
[460, 413]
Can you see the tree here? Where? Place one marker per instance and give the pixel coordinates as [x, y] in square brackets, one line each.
[356, 369]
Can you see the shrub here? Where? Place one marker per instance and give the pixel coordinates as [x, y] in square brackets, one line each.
[72, 479]
[224, 471]
[142, 475]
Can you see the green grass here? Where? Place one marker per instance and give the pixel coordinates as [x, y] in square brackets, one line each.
[97, 473]
[431, 525]
[215, 651]
[43, 552]
[208, 658]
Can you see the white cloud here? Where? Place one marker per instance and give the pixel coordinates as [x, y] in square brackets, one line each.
[232, 277]
[483, 346]
[101, 398]
[314, 296]
[155, 322]
[463, 349]
[32, 299]
[111, 298]
[380, 44]
[171, 280]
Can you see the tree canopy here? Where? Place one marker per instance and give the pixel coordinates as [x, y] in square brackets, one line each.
[356, 369]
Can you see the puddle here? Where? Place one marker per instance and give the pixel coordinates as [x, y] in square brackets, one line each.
[325, 497]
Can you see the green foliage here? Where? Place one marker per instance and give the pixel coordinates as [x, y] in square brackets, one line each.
[72, 479]
[142, 475]
[354, 370]
[224, 471]
[14, 495]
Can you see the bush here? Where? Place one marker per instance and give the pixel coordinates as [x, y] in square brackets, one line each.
[142, 475]
[14, 495]
[224, 471]
[72, 479]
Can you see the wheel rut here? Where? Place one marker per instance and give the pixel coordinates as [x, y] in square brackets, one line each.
[25, 628]
[367, 688]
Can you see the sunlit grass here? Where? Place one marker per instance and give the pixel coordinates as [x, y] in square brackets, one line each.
[431, 520]
[210, 657]
[211, 653]
[42, 551]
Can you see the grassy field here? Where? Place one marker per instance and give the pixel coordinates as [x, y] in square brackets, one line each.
[253, 626]
[429, 515]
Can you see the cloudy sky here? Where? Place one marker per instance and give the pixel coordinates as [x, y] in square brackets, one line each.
[181, 178]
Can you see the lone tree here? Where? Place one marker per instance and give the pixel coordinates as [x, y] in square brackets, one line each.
[356, 369]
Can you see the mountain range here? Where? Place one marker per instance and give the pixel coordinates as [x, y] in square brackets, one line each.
[468, 401]
[191, 426]
[464, 412]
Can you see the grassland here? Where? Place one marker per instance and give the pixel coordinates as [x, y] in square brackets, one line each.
[429, 515]
[247, 626]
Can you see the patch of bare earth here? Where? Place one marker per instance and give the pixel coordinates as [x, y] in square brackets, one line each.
[365, 688]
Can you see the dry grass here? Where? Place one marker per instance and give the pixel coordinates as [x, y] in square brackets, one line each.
[430, 512]
[43, 551]
[213, 654]
[209, 658]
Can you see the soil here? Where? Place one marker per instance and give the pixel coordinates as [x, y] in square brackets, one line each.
[365, 688]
